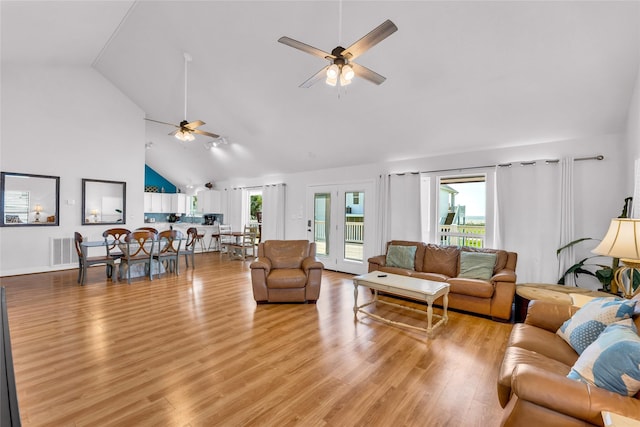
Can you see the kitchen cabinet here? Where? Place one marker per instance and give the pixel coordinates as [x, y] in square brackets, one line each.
[209, 201]
[179, 203]
[165, 203]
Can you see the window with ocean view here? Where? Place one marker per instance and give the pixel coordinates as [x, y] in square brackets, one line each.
[462, 211]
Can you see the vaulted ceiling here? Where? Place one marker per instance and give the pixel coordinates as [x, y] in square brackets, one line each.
[460, 75]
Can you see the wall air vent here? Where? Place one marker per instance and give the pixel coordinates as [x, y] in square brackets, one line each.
[63, 252]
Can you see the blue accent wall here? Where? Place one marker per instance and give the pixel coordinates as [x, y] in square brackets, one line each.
[153, 178]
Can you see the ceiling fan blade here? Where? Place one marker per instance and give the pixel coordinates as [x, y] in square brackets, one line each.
[315, 78]
[194, 125]
[174, 132]
[367, 74]
[306, 48]
[201, 132]
[163, 123]
[378, 34]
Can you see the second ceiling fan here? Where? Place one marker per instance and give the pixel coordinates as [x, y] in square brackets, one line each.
[186, 129]
[342, 69]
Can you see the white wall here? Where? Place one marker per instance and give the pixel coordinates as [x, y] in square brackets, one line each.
[72, 123]
[633, 130]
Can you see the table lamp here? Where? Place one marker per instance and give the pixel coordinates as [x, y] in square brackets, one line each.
[622, 241]
[37, 208]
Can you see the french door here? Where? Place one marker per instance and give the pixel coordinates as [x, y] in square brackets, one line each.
[342, 224]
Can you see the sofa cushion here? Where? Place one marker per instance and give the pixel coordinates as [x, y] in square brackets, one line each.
[441, 260]
[285, 278]
[401, 256]
[472, 287]
[612, 361]
[419, 251]
[477, 265]
[543, 342]
[588, 322]
[429, 276]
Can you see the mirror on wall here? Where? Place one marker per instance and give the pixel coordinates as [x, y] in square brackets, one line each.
[29, 200]
[103, 202]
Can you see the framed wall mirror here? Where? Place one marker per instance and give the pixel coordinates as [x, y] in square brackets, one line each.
[103, 202]
[29, 200]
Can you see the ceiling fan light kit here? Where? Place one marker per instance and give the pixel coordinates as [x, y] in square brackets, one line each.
[342, 69]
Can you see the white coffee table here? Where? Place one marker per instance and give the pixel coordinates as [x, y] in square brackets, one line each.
[411, 287]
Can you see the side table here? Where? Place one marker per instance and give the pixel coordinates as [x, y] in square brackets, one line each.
[558, 294]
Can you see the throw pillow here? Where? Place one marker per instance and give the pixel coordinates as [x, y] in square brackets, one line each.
[401, 256]
[589, 321]
[477, 265]
[612, 361]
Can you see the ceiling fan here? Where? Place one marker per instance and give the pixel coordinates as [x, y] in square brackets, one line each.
[341, 68]
[186, 129]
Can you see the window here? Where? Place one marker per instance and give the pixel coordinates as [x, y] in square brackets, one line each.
[462, 210]
[16, 206]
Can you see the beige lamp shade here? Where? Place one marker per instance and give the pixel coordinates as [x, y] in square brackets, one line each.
[622, 240]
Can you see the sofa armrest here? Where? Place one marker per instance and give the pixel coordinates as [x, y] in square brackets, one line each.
[573, 398]
[311, 263]
[377, 261]
[504, 275]
[548, 315]
[261, 263]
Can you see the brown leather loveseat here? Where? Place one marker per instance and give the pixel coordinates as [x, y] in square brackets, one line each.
[532, 382]
[491, 297]
[286, 271]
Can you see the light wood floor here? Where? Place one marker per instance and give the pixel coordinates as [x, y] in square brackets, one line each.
[196, 350]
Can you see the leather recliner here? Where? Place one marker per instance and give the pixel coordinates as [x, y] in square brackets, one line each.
[286, 271]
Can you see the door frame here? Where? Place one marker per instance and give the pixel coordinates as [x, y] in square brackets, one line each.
[336, 259]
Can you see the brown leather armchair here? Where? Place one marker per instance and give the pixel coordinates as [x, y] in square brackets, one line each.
[286, 271]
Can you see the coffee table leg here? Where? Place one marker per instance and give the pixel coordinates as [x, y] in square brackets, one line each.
[445, 305]
[429, 317]
[355, 300]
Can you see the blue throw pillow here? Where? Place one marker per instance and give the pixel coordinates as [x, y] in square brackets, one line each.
[477, 265]
[401, 256]
[586, 324]
[612, 361]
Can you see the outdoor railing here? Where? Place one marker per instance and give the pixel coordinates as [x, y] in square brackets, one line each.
[462, 235]
[353, 232]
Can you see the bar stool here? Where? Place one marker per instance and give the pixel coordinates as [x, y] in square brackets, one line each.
[199, 238]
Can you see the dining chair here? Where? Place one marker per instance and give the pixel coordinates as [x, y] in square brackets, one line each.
[246, 243]
[188, 250]
[138, 249]
[114, 237]
[169, 250]
[86, 261]
[153, 230]
[226, 238]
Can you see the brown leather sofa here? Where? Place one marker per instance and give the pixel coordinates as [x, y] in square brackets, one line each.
[493, 297]
[286, 271]
[532, 382]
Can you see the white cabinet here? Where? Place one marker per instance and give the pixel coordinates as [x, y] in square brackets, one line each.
[179, 203]
[209, 202]
[165, 203]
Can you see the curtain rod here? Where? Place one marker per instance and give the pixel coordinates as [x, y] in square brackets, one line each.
[523, 163]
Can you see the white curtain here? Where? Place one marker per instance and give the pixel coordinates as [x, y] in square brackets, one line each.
[404, 207]
[566, 258]
[273, 204]
[235, 208]
[635, 203]
[382, 191]
[529, 219]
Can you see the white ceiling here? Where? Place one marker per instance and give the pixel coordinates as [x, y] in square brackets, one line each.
[460, 75]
